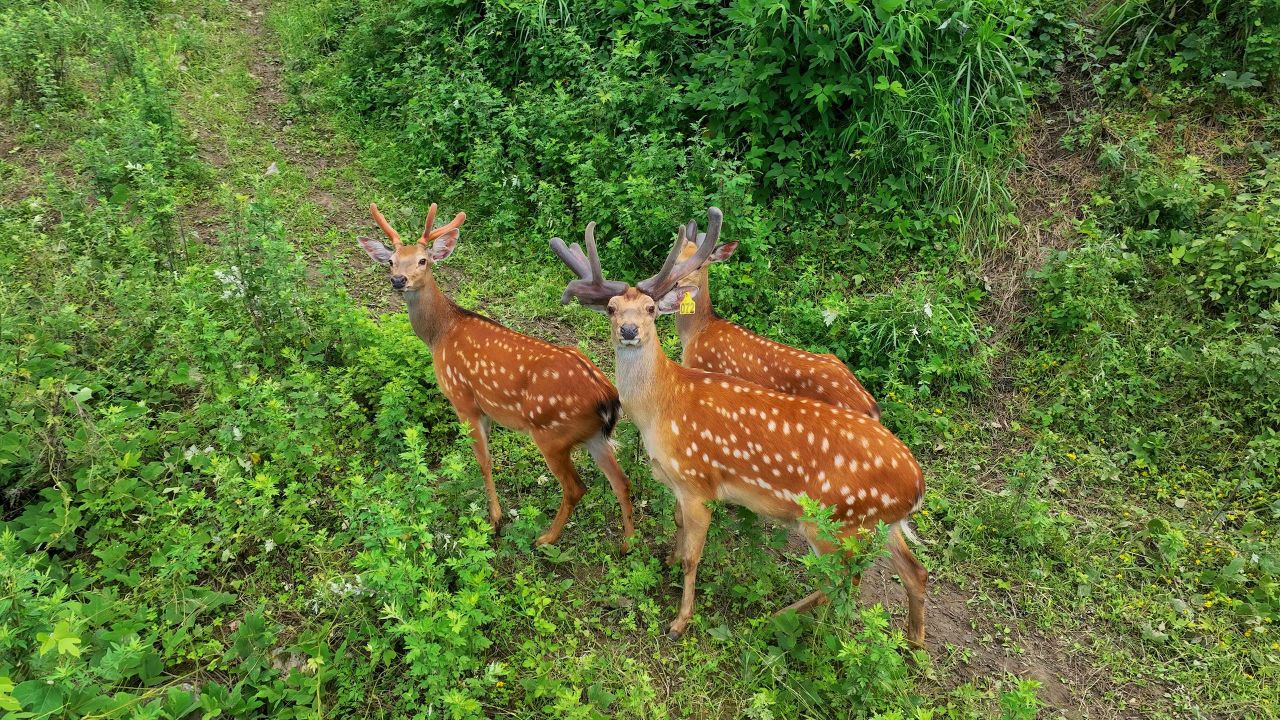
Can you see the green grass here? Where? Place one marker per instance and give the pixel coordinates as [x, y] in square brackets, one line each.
[1102, 494]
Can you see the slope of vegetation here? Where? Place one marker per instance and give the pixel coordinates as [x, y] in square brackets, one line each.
[1044, 235]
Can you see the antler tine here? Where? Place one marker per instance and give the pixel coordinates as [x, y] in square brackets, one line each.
[660, 277]
[453, 224]
[706, 244]
[597, 275]
[386, 226]
[656, 285]
[431, 220]
[591, 287]
[576, 261]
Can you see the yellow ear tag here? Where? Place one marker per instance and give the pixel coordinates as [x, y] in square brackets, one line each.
[686, 304]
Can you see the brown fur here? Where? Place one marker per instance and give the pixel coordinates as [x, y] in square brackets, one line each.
[492, 373]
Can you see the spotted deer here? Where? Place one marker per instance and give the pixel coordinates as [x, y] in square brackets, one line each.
[711, 436]
[491, 373]
[709, 342]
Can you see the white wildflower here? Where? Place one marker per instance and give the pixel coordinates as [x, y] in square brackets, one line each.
[928, 309]
[237, 434]
[829, 315]
[269, 545]
[231, 279]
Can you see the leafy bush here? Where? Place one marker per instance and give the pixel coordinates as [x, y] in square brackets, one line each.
[829, 96]
[1236, 258]
[35, 40]
[1235, 44]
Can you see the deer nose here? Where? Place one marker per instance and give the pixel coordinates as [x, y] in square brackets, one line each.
[398, 281]
[629, 331]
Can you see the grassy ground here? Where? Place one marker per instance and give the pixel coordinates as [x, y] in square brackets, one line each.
[1039, 538]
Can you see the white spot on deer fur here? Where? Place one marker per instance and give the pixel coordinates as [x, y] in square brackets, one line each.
[879, 461]
[886, 500]
[839, 460]
[810, 438]
[865, 442]
[772, 426]
[786, 428]
[675, 429]
[862, 493]
[767, 459]
[826, 444]
[826, 486]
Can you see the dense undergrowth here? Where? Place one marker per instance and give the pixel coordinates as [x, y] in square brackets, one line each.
[227, 490]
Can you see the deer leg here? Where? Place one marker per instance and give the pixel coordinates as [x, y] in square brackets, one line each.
[677, 542]
[914, 580]
[478, 427]
[602, 452]
[560, 461]
[697, 518]
[819, 547]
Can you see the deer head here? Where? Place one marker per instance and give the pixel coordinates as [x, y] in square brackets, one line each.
[697, 277]
[633, 310]
[409, 265]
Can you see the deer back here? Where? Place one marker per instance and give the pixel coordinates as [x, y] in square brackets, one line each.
[522, 382]
[724, 347]
[720, 437]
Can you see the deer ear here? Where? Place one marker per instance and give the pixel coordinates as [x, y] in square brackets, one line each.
[723, 251]
[675, 298]
[376, 250]
[443, 246]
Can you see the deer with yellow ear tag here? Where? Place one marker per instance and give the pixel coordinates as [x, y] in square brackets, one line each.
[711, 436]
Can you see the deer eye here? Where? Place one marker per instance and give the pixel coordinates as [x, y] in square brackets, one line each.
[610, 309]
[651, 308]
[423, 261]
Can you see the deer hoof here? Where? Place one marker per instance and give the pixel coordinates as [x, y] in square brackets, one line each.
[675, 633]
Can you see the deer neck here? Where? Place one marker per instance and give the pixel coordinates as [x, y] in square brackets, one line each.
[431, 313]
[644, 374]
[688, 326]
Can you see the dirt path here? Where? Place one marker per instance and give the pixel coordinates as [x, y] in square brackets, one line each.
[250, 132]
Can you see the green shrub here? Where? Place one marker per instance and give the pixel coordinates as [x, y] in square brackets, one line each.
[1236, 258]
[1227, 46]
[35, 41]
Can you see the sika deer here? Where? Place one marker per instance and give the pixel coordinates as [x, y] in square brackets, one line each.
[714, 344]
[488, 372]
[715, 437]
